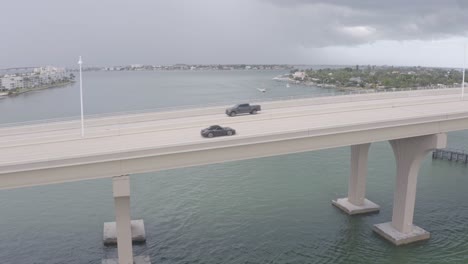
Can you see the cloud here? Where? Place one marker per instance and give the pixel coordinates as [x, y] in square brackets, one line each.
[344, 23]
[360, 32]
[115, 32]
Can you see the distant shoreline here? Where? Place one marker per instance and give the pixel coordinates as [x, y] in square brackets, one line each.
[284, 78]
[182, 70]
[27, 90]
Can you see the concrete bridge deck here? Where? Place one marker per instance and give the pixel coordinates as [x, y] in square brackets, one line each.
[369, 118]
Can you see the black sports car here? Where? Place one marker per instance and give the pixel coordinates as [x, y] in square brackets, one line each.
[216, 131]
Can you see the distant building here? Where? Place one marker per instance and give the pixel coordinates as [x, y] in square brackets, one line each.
[12, 82]
[49, 74]
[355, 79]
[299, 75]
[136, 66]
[38, 77]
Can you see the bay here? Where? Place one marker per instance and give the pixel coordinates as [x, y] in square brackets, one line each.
[268, 210]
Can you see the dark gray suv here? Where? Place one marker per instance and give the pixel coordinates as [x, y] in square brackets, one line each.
[243, 109]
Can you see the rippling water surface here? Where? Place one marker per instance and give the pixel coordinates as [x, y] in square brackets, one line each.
[269, 210]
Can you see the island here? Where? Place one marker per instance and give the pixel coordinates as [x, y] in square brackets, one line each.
[376, 77]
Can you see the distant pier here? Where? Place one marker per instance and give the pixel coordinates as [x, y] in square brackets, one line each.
[455, 155]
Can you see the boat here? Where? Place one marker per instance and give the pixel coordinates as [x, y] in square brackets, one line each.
[261, 90]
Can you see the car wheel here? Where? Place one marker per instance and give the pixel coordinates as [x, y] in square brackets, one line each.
[232, 114]
[229, 133]
[210, 135]
[254, 112]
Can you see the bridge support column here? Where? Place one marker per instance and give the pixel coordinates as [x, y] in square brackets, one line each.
[123, 231]
[409, 153]
[121, 189]
[356, 203]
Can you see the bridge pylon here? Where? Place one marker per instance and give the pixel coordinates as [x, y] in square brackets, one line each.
[124, 231]
[356, 202]
[409, 153]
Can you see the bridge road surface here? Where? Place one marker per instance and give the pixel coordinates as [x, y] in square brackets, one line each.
[36, 147]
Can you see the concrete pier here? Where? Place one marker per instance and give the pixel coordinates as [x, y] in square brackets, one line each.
[137, 227]
[397, 238]
[136, 260]
[356, 203]
[409, 152]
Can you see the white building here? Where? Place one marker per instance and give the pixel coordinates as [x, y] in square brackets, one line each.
[355, 79]
[48, 74]
[300, 75]
[136, 66]
[39, 76]
[12, 82]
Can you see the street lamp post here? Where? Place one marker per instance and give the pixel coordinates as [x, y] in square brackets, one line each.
[81, 99]
[464, 64]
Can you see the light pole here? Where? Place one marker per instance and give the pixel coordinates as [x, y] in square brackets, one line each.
[464, 63]
[81, 99]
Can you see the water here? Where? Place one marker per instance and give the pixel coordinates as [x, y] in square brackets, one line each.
[109, 92]
[269, 210]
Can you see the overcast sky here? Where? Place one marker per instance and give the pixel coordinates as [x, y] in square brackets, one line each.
[120, 32]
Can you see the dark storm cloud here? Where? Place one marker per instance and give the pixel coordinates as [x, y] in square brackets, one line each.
[115, 32]
[342, 22]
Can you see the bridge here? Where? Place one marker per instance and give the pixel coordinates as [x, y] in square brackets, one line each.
[116, 146]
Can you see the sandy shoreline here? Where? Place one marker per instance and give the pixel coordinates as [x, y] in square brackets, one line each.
[27, 90]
